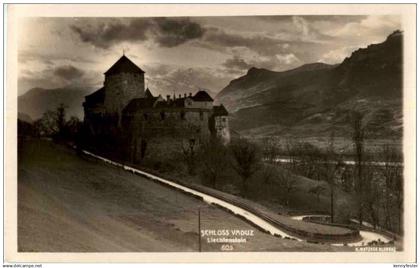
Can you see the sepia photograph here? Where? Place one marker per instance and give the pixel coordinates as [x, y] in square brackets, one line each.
[157, 129]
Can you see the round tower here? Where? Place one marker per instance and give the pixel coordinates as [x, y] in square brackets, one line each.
[124, 81]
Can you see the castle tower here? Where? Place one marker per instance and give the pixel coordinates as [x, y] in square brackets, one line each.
[124, 81]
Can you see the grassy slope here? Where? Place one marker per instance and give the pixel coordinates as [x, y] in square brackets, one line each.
[68, 203]
[301, 200]
[266, 192]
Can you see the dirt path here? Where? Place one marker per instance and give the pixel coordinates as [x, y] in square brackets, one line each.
[74, 204]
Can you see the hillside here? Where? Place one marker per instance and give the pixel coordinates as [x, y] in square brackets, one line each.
[68, 203]
[25, 118]
[38, 100]
[314, 98]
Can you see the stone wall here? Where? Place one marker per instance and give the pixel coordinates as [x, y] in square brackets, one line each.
[200, 104]
[120, 89]
[166, 131]
[222, 128]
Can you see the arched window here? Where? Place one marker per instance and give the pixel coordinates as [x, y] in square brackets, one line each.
[182, 114]
[145, 116]
[162, 115]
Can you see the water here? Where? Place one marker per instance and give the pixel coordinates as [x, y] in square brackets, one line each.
[347, 162]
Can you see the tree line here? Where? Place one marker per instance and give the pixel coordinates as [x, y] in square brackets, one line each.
[377, 189]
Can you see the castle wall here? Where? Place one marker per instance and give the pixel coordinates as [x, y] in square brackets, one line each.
[200, 104]
[120, 89]
[167, 131]
[171, 122]
[222, 128]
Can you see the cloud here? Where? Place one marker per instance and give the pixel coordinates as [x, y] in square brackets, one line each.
[216, 38]
[236, 63]
[68, 72]
[287, 59]
[163, 31]
[173, 32]
[106, 34]
[306, 32]
[221, 47]
[62, 76]
[300, 39]
[337, 55]
[167, 79]
[314, 18]
[375, 27]
[279, 62]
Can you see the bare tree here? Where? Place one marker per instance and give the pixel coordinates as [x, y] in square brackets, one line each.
[61, 119]
[189, 152]
[267, 173]
[372, 194]
[46, 125]
[292, 161]
[330, 167]
[358, 143]
[214, 156]
[271, 151]
[246, 160]
[72, 126]
[52, 123]
[398, 188]
[288, 186]
[392, 173]
[303, 159]
[317, 191]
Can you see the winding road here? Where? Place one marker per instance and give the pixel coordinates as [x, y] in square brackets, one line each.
[367, 236]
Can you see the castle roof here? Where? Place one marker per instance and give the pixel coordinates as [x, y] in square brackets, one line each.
[96, 97]
[202, 96]
[139, 103]
[148, 94]
[177, 103]
[220, 110]
[124, 65]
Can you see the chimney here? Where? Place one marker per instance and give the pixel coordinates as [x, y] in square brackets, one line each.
[190, 94]
[179, 96]
[185, 95]
[168, 97]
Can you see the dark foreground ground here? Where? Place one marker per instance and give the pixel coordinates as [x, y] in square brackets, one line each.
[68, 203]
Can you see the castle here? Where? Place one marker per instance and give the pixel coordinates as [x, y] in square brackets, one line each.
[124, 107]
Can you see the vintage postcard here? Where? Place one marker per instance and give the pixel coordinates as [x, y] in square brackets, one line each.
[210, 133]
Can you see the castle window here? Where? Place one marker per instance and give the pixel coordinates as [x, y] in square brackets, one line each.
[162, 115]
[182, 114]
[201, 115]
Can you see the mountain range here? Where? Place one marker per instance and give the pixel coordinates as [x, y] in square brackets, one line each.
[311, 100]
[36, 101]
[316, 99]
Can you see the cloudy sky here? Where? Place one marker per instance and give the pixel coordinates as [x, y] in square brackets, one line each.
[183, 54]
